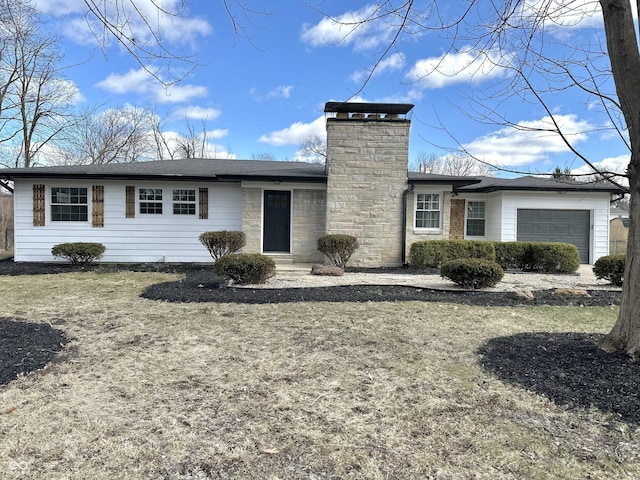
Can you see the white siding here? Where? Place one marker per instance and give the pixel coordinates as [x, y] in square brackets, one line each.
[596, 203]
[493, 214]
[145, 238]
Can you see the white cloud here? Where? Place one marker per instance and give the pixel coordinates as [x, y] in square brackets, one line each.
[466, 66]
[531, 142]
[218, 133]
[195, 112]
[350, 28]
[612, 164]
[141, 82]
[168, 20]
[295, 134]
[282, 91]
[391, 63]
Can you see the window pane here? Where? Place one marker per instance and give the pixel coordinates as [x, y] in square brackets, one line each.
[475, 219]
[428, 210]
[475, 228]
[475, 210]
[151, 207]
[427, 219]
[184, 208]
[69, 213]
[150, 194]
[184, 195]
[69, 204]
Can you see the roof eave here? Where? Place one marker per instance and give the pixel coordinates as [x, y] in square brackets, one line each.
[498, 188]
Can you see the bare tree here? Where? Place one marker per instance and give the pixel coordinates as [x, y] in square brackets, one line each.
[34, 96]
[313, 149]
[453, 164]
[6, 220]
[115, 135]
[516, 37]
[192, 144]
[262, 156]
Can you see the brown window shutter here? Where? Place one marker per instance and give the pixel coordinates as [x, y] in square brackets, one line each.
[204, 203]
[38, 205]
[130, 201]
[97, 215]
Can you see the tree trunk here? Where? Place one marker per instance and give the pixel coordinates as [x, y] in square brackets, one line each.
[622, 46]
[625, 335]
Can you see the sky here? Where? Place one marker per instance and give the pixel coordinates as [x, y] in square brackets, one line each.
[261, 88]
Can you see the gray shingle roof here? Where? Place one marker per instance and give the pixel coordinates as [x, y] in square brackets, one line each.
[236, 170]
[188, 169]
[528, 183]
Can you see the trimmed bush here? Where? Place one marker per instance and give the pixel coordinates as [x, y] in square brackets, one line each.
[610, 268]
[551, 257]
[245, 268]
[79, 253]
[472, 273]
[543, 257]
[433, 253]
[338, 248]
[510, 255]
[223, 242]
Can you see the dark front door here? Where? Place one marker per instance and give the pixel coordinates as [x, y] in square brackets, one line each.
[277, 221]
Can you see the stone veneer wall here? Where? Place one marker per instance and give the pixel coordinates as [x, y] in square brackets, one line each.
[252, 219]
[308, 216]
[413, 236]
[367, 174]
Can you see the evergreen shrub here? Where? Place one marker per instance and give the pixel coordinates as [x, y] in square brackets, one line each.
[474, 273]
[245, 268]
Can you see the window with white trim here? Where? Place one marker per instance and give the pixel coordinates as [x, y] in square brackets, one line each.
[427, 210]
[69, 204]
[475, 219]
[184, 202]
[150, 200]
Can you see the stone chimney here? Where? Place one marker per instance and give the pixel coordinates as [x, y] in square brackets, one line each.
[367, 159]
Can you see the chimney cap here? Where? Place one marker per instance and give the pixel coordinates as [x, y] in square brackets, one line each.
[354, 107]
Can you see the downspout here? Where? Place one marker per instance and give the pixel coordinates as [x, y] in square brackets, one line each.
[405, 196]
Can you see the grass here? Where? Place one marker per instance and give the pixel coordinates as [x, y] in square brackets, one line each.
[379, 390]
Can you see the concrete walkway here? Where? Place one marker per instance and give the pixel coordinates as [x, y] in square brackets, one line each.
[299, 275]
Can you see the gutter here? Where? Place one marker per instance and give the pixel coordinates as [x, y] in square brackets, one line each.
[405, 197]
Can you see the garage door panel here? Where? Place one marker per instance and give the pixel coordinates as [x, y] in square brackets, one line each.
[567, 226]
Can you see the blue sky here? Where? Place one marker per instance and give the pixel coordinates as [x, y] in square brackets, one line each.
[265, 93]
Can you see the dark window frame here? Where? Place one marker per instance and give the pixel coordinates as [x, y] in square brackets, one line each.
[69, 204]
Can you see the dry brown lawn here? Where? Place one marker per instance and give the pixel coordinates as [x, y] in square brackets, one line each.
[292, 391]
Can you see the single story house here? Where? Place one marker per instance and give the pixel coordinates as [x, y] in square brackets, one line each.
[155, 211]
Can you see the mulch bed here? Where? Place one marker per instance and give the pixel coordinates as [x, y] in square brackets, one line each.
[202, 286]
[25, 347]
[567, 368]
